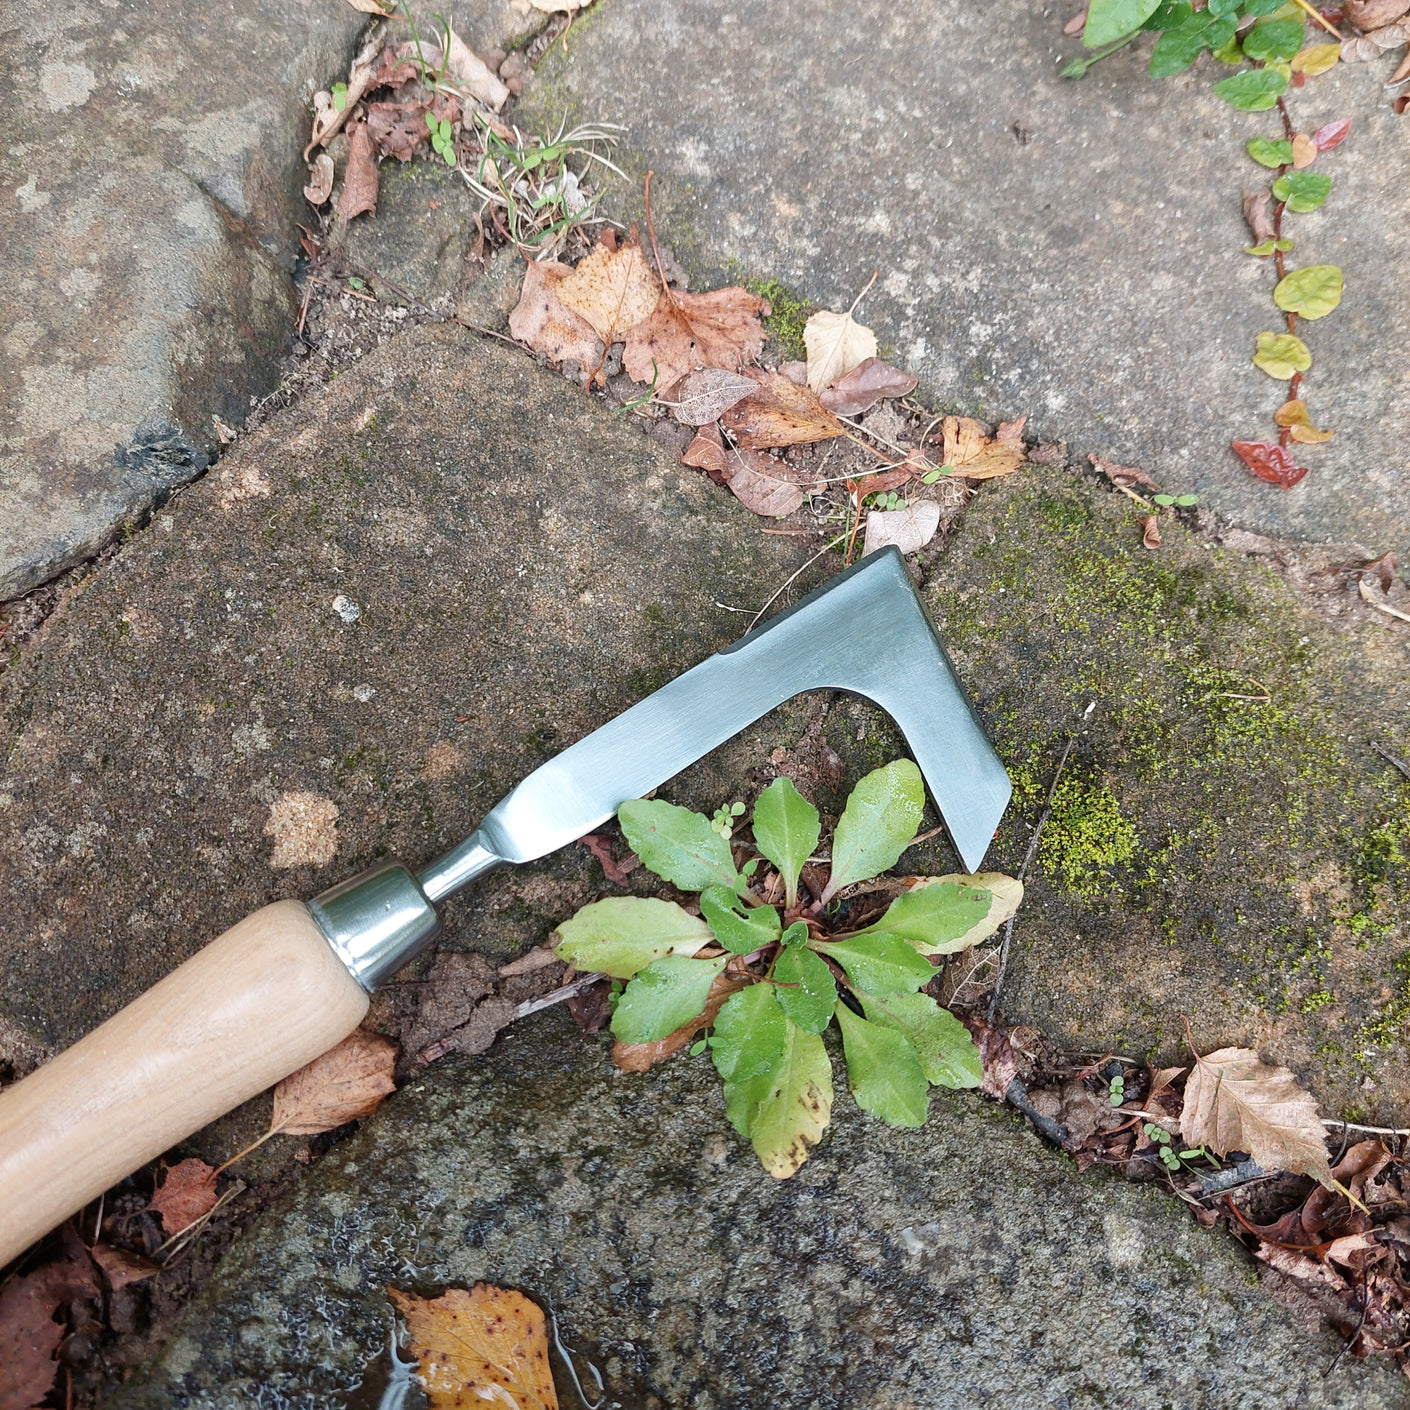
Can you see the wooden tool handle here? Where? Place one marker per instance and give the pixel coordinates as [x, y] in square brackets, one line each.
[256, 1004]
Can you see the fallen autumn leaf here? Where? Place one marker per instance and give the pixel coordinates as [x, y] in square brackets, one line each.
[344, 1084]
[186, 1195]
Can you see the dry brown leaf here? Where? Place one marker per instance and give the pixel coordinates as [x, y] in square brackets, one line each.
[1308, 435]
[780, 413]
[327, 118]
[1258, 213]
[488, 1346]
[687, 331]
[120, 1267]
[558, 7]
[547, 325]
[996, 458]
[1123, 476]
[397, 129]
[909, 529]
[1372, 14]
[964, 439]
[701, 397]
[612, 289]
[360, 179]
[865, 385]
[1364, 47]
[618, 873]
[369, 7]
[1304, 151]
[1150, 531]
[770, 487]
[796, 372]
[320, 180]
[344, 1084]
[1294, 415]
[1235, 1101]
[707, 452]
[836, 343]
[640, 1057]
[29, 1335]
[187, 1194]
[1368, 594]
[471, 73]
[1011, 432]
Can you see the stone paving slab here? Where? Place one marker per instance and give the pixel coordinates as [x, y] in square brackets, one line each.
[148, 188]
[1069, 250]
[962, 1265]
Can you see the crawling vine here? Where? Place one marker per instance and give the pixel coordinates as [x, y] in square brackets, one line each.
[1272, 37]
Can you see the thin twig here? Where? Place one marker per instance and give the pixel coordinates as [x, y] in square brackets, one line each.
[1022, 874]
[557, 996]
[824, 549]
[1322, 20]
[1390, 758]
[1371, 1130]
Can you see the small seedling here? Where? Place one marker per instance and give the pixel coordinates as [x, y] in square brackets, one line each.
[1116, 1090]
[789, 976]
[890, 500]
[442, 138]
[1180, 501]
[340, 96]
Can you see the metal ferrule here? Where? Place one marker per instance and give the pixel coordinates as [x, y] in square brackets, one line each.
[376, 922]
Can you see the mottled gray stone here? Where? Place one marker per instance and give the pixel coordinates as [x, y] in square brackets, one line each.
[148, 192]
[955, 1266]
[1068, 250]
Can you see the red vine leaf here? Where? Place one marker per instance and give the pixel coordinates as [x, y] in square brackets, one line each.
[1270, 461]
[1332, 135]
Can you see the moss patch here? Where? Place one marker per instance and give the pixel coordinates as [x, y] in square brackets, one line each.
[789, 312]
[1223, 843]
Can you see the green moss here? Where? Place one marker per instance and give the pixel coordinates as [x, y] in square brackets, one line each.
[1318, 999]
[1086, 837]
[789, 312]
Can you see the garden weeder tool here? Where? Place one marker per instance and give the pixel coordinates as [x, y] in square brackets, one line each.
[291, 980]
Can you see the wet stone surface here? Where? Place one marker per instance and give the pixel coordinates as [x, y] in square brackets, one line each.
[1072, 251]
[955, 1266]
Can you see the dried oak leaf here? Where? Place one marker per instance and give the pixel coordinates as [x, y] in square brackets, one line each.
[865, 385]
[909, 529]
[640, 1057]
[1270, 461]
[700, 398]
[768, 486]
[320, 180]
[707, 452]
[485, 1346]
[471, 74]
[360, 180]
[836, 343]
[346, 1083]
[397, 129]
[970, 453]
[1235, 1101]
[613, 290]
[780, 413]
[547, 325]
[186, 1195]
[688, 331]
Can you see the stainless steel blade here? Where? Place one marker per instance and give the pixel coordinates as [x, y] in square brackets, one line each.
[865, 631]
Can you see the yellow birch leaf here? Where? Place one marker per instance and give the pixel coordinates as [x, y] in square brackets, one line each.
[1315, 59]
[836, 343]
[488, 1346]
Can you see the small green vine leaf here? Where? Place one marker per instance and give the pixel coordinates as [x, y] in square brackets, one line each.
[1281, 354]
[1270, 154]
[1272, 39]
[1254, 90]
[1302, 190]
[1110, 20]
[1311, 292]
[1268, 247]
